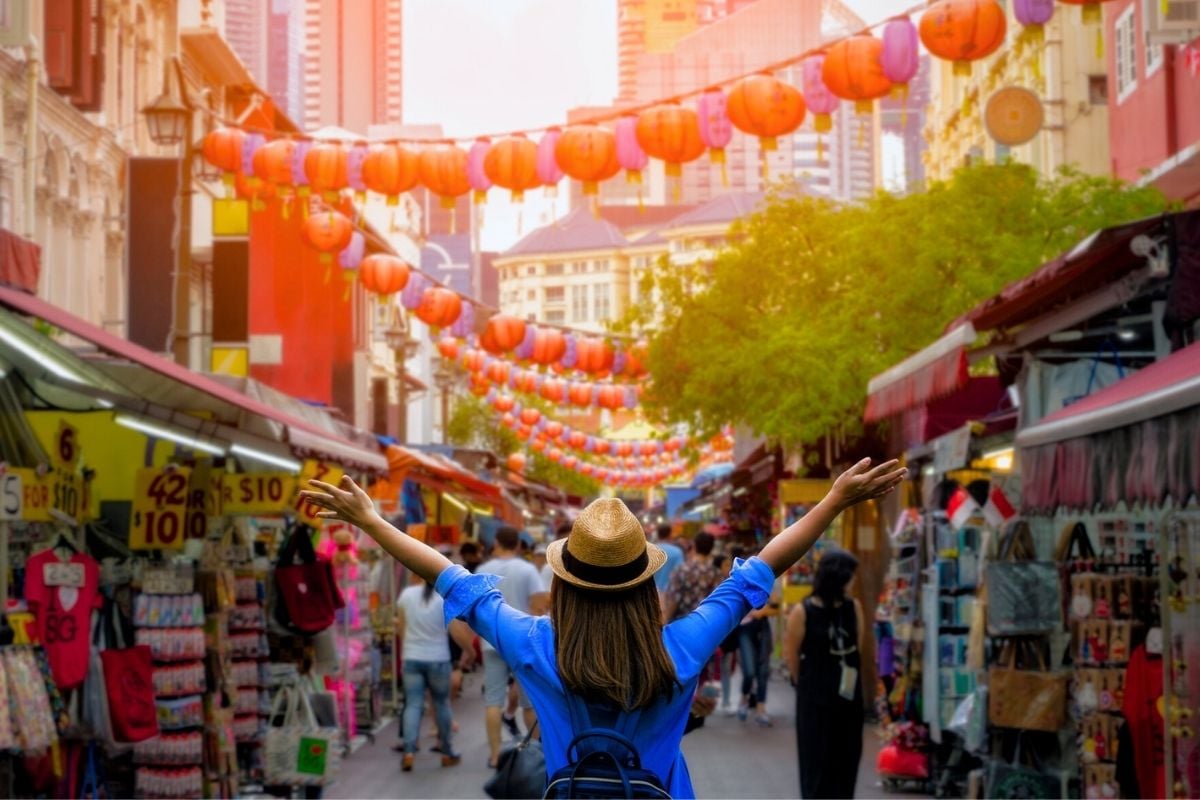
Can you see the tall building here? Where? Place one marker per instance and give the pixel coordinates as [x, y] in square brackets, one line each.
[245, 28]
[285, 56]
[352, 63]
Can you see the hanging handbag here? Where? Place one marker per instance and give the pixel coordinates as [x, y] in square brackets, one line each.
[305, 592]
[299, 752]
[129, 684]
[1012, 780]
[1075, 556]
[1024, 596]
[1027, 699]
[96, 715]
[520, 771]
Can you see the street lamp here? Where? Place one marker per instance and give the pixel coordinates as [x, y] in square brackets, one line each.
[170, 120]
[403, 346]
[444, 378]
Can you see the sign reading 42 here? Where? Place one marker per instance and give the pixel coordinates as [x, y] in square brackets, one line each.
[160, 504]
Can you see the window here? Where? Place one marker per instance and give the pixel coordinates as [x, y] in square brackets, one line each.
[554, 269]
[1154, 53]
[531, 295]
[601, 305]
[1126, 54]
[554, 294]
[579, 303]
[1098, 90]
[601, 265]
[531, 270]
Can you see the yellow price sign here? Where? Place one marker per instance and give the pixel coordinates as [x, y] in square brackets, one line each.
[57, 490]
[160, 506]
[258, 493]
[204, 499]
[314, 470]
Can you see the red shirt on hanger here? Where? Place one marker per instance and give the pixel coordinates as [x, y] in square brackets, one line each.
[63, 614]
[1143, 715]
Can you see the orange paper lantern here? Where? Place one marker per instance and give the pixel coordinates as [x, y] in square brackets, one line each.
[329, 232]
[254, 190]
[963, 31]
[503, 333]
[448, 347]
[517, 462]
[223, 149]
[383, 274]
[504, 403]
[391, 170]
[580, 394]
[549, 346]
[443, 171]
[554, 390]
[766, 107]
[553, 428]
[593, 355]
[670, 133]
[273, 161]
[853, 71]
[497, 371]
[587, 153]
[439, 307]
[325, 168]
[512, 164]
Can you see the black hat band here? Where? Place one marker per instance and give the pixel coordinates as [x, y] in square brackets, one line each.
[605, 576]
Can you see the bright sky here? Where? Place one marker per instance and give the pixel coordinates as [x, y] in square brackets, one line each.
[486, 66]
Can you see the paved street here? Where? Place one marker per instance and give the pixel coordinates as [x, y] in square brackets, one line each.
[727, 758]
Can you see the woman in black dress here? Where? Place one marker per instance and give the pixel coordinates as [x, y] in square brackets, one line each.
[822, 645]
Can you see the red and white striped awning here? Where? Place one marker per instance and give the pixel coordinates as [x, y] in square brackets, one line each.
[938, 370]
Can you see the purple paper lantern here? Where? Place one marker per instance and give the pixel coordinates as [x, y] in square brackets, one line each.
[299, 176]
[716, 130]
[571, 356]
[630, 155]
[547, 167]
[250, 146]
[464, 326]
[619, 361]
[524, 351]
[900, 57]
[630, 398]
[1033, 14]
[354, 164]
[352, 255]
[414, 290]
[476, 176]
[820, 101]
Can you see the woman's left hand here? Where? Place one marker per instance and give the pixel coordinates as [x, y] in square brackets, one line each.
[861, 482]
[347, 504]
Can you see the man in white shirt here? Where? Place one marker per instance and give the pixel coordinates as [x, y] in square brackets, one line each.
[523, 589]
[539, 561]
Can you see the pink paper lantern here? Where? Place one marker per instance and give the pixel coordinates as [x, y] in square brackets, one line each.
[630, 155]
[547, 167]
[821, 102]
[1033, 14]
[354, 164]
[900, 57]
[476, 176]
[715, 128]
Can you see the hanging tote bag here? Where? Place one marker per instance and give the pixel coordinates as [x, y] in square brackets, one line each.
[129, 684]
[1027, 699]
[306, 594]
[520, 771]
[1023, 595]
[299, 752]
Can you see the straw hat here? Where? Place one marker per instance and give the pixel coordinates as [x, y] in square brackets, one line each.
[606, 551]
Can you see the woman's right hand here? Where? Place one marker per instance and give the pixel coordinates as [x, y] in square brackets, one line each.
[348, 504]
[861, 482]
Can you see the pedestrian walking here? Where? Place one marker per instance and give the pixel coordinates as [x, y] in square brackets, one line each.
[674, 554]
[539, 561]
[693, 581]
[603, 657]
[755, 646]
[823, 645]
[522, 589]
[426, 667]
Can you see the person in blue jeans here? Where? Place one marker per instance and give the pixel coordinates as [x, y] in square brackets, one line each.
[426, 667]
[603, 653]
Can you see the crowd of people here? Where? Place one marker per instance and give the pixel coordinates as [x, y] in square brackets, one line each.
[820, 643]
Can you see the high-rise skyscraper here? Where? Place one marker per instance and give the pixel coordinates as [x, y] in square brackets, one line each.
[353, 59]
[246, 32]
[285, 56]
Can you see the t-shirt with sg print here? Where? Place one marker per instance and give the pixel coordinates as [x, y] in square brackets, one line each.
[690, 584]
[64, 615]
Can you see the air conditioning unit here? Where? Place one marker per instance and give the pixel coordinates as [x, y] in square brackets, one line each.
[1173, 21]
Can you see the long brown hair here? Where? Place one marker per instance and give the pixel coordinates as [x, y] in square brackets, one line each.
[609, 645]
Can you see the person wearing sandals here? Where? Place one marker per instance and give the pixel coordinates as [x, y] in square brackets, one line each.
[427, 667]
[603, 652]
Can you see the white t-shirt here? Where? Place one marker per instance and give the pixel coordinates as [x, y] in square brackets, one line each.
[520, 581]
[547, 576]
[424, 626]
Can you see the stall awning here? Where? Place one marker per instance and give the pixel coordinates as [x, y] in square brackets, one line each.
[438, 472]
[20, 262]
[1099, 260]
[936, 371]
[1164, 387]
[303, 434]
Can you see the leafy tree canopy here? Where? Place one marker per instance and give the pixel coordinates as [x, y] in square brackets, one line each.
[782, 332]
[473, 423]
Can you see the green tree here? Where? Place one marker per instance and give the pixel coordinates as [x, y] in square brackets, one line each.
[473, 423]
[782, 332]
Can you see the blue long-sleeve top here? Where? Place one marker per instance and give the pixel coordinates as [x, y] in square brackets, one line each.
[526, 643]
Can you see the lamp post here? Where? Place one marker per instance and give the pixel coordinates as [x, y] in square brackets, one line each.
[170, 120]
[403, 346]
[443, 378]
